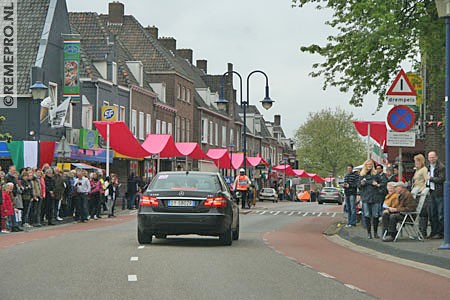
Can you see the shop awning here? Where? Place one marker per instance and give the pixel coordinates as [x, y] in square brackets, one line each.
[257, 160]
[220, 157]
[86, 166]
[192, 150]
[285, 168]
[161, 144]
[301, 173]
[121, 139]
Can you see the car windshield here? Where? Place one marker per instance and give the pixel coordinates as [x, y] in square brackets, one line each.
[186, 181]
[267, 191]
[330, 189]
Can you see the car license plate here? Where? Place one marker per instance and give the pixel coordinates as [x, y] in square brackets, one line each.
[180, 203]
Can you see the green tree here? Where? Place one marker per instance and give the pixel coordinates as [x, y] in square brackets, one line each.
[373, 38]
[4, 136]
[328, 141]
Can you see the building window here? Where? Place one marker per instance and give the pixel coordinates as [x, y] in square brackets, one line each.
[169, 128]
[183, 129]
[148, 124]
[133, 121]
[216, 134]
[141, 126]
[238, 139]
[163, 127]
[188, 95]
[188, 130]
[224, 137]
[86, 119]
[179, 91]
[232, 139]
[114, 72]
[211, 132]
[204, 131]
[122, 113]
[178, 129]
[158, 127]
[183, 93]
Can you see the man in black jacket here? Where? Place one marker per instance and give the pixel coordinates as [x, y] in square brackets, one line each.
[351, 188]
[436, 178]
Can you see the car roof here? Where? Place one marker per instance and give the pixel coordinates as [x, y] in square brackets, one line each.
[187, 173]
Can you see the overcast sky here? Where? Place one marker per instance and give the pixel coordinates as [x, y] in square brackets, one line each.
[251, 34]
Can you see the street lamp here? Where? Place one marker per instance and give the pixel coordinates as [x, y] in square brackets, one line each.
[222, 103]
[231, 148]
[443, 8]
[38, 90]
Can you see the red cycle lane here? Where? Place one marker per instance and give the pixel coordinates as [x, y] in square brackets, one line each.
[8, 240]
[305, 242]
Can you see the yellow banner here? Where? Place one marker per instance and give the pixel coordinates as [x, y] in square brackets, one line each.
[65, 166]
[416, 81]
[109, 113]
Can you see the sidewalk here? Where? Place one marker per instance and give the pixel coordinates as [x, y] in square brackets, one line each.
[424, 252]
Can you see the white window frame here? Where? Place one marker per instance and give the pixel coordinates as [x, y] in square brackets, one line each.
[122, 113]
[148, 124]
[158, 127]
[204, 126]
[133, 122]
[87, 114]
[188, 95]
[177, 129]
[216, 134]
[188, 130]
[178, 91]
[169, 128]
[141, 126]
[224, 137]
[183, 129]
[232, 139]
[163, 127]
[183, 93]
[211, 128]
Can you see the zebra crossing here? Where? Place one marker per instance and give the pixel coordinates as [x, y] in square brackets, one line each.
[295, 213]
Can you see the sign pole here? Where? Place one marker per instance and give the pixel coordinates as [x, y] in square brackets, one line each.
[107, 148]
[368, 141]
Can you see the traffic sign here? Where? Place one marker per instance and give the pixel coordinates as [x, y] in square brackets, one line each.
[401, 91]
[417, 83]
[401, 118]
[401, 139]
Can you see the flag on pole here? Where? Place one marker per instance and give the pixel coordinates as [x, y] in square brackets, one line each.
[23, 153]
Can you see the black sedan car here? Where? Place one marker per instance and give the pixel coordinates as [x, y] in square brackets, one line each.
[178, 203]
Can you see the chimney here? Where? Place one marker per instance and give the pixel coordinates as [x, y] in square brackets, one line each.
[202, 64]
[169, 43]
[277, 120]
[186, 54]
[153, 31]
[115, 13]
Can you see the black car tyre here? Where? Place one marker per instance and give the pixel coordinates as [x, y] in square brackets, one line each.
[320, 202]
[236, 232]
[161, 236]
[144, 237]
[226, 238]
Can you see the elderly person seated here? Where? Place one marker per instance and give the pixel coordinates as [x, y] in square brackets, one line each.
[392, 215]
[390, 201]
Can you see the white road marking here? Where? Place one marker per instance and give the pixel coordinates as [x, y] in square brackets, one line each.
[134, 258]
[354, 288]
[291, 213]
[319, 214]
[334, 215]
[305, 214]
[286, 211]
[278, 212]
[326, 275]
[263, 212]
[313, 213]
[141, 247]
[132, 278]
[271, 212]
[328, 213]
[306, 265]
[299, 212]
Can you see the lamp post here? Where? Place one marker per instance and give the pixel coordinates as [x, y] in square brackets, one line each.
[266, 103]
[231, 147]
[443, 8]
[38, 90]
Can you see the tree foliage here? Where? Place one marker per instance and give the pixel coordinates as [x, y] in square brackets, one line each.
[328, 141]
[373, 38]
[4, 136]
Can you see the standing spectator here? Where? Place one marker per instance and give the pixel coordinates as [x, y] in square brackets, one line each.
[82, 188]
[113, 193]
[27, 195]
[368, 186]
[435, 180]
[390, 174]
[8, 221]
[59, 193]
[132, 188]
[351, 190]
[382, 188]
[36, 201]
[17, 199]
[396, 174]
[94, 203]
[11, 178]
[43, 206]
[49, 195]
[392, 216]
[420, 175]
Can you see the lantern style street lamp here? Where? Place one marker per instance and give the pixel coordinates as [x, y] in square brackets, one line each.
[38, 91]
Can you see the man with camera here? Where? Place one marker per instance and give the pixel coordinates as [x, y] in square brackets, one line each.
[82, 188]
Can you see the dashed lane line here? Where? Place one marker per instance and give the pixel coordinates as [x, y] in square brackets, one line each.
[141, 247]
[134, 258]
[132, 278]
[277, 213]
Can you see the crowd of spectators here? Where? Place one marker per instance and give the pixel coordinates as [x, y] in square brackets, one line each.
[37, 197]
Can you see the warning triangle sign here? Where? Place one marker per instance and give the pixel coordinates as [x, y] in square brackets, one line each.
[401, 86]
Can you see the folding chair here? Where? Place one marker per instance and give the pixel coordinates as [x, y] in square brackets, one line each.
[410, 222]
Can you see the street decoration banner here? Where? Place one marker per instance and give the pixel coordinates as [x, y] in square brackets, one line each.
[88, 139]
[72, 67]
[58, 115]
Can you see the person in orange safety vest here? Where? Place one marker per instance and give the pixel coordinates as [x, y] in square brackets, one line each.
[242, 183]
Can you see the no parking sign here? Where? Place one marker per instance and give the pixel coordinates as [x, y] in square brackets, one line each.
[401, 118]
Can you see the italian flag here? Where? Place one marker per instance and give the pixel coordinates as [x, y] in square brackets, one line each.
[23, 153]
